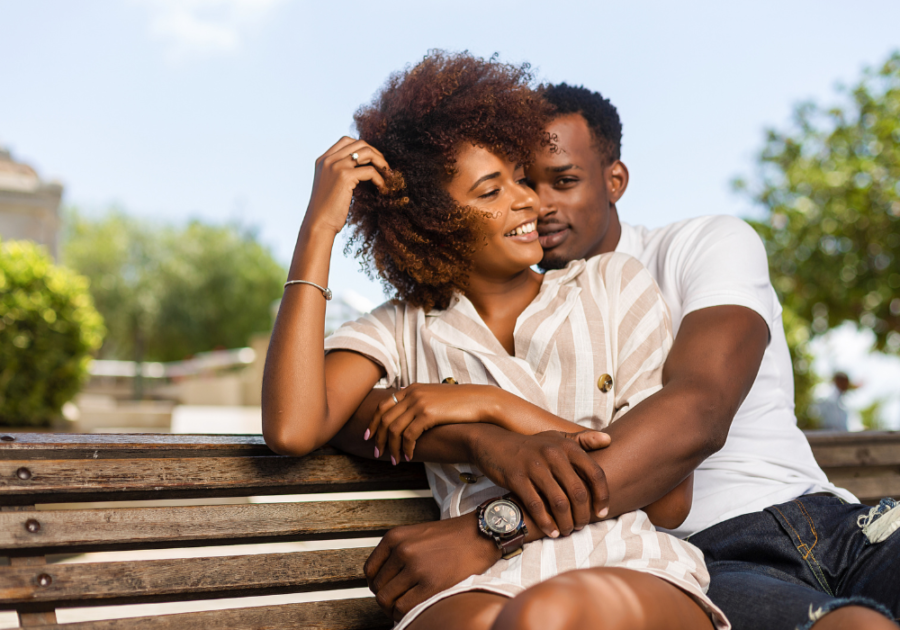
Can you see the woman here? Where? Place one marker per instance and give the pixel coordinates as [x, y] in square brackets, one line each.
[452, 230]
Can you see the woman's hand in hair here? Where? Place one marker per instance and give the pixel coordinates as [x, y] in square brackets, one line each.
[337, 175]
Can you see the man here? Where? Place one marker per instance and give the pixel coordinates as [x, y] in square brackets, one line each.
[772, 566]
[725, 410]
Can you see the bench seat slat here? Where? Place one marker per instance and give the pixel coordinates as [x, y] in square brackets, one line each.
[100, 583]
[54, 531]
[69, 481]
[348, 614]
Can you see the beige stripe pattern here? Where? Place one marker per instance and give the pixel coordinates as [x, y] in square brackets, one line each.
[604, 316]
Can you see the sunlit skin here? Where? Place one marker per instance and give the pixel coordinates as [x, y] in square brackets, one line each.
[579, 189]
[308, 397]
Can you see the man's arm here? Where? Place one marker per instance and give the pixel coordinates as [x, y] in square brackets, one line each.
[708, 373]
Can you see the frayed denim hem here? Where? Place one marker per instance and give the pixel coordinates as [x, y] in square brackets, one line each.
[834, 604]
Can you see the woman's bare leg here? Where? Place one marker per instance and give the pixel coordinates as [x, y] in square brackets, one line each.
[466, 611]
[603, 599]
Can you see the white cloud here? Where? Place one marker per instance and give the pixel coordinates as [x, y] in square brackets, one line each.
[191, 28]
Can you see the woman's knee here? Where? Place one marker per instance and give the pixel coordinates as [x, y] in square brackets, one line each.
[550, 605]
[602, 599]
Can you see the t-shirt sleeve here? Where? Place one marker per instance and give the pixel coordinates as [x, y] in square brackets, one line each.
[722, 261]
[642, 334]
[373, 336]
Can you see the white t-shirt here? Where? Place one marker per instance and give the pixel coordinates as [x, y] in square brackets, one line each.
[766, 460]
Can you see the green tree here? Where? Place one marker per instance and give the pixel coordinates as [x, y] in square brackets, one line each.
[170, 292]
[829, 188]
[48, 330]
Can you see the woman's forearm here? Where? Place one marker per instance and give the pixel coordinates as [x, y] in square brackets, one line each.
[520, 416]
[294, 404]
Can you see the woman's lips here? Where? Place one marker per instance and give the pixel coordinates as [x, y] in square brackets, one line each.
[524, 238]
[550, 240]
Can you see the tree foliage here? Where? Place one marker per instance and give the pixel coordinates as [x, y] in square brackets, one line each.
[48, 330]
[167, 292]
[830, 187]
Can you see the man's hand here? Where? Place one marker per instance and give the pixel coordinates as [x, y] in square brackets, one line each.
[414, 562]
[551, 465]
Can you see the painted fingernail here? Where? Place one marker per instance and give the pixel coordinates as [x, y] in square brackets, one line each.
[554, 534]
[377, 453]
[367, 435]
[393, 460]
[406, 457]
[602, 513]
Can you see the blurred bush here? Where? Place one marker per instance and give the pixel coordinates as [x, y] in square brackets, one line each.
[168, 292]
[48, 330]
[830, 188]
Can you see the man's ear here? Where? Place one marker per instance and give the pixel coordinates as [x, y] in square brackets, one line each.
[616, 180]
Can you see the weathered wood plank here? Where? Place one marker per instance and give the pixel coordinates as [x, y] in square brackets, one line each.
[54, 531]
[866, 448]
[127, 445]
[70, 481]
[869, 484]
[96, 584]
[350, 614]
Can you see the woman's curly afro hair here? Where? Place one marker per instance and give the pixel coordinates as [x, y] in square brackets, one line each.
[417, 238]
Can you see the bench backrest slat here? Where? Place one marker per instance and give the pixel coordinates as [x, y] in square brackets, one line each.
[54, 531]
[348, 614]
[70, 480]
[101, 583]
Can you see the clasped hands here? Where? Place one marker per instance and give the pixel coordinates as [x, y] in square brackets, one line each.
[560, 486]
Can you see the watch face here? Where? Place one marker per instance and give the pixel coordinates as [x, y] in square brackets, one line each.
[502, 517]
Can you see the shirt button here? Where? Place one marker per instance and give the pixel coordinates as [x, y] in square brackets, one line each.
[605, 383]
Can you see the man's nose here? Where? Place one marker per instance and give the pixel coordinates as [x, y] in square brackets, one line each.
[546, 207]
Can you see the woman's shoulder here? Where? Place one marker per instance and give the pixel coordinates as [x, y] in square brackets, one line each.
[615, 269]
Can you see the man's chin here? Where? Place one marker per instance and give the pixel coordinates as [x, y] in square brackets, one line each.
[552, 260]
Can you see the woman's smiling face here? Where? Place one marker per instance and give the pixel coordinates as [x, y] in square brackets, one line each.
[485, 181]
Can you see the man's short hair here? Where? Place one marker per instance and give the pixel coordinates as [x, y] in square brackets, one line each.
[601, 115]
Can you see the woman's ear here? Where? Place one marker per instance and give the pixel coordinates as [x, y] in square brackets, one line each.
[616, 180]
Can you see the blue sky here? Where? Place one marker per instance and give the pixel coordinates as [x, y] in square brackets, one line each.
[217, 109]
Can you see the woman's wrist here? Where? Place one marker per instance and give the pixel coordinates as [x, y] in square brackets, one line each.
[496, 409]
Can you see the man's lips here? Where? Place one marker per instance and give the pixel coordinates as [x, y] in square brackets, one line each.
[552, 235]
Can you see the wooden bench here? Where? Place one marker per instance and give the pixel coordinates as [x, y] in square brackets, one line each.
[41, 469]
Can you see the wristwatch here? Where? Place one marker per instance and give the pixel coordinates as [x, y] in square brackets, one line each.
[502, 521]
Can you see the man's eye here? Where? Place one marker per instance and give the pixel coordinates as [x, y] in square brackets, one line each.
[565, 181]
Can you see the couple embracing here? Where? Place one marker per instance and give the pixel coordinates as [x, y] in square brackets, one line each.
[611, 442]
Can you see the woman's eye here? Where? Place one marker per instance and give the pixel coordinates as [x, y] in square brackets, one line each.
[525, 182]
[490, 194]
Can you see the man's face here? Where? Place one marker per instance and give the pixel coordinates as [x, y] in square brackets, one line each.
[578, 192]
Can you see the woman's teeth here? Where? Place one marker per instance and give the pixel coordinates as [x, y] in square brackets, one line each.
[523, 229]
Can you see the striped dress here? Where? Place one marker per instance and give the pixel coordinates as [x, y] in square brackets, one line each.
[594, 321]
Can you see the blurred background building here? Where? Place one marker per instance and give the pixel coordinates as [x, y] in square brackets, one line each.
[29, 205]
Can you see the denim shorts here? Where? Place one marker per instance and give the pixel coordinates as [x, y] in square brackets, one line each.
[787, 566]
